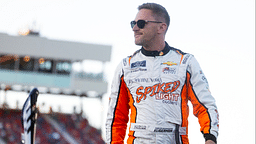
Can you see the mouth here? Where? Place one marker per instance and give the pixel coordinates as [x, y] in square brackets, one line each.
[137, 35]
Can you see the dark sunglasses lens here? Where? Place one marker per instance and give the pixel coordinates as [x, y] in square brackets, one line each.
[133, 23]
[141, 24]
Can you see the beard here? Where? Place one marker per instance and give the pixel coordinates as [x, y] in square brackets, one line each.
[141, 40]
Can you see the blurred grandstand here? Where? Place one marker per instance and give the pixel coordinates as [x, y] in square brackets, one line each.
[51, 128]
[32, 61]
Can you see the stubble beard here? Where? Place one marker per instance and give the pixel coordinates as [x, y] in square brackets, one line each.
[141, 41]
[144, 42]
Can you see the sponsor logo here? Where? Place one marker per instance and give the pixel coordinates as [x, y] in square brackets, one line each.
[169, 63]
[138, 64]
[168, 70]
[144, 80]
[139, 69]
[161, 91]
[167, 96]
[169, 102]
[159, 129]
[204, 79]
[143, 127]
[185, 59]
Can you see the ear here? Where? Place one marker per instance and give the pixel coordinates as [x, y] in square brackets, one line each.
[162, 28]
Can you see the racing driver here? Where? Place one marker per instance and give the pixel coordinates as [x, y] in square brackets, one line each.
[151, 89]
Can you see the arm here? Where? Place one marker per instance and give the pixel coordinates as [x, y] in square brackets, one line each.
[204, 107]
[117, 116]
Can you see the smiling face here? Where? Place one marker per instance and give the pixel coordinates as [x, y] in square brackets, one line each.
[149, 33]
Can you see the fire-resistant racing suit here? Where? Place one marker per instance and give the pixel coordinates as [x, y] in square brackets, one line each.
[151, 90]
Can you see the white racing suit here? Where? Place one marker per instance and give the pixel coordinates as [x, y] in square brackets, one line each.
[151, 90]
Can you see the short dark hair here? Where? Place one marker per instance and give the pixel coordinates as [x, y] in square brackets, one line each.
[158, 10]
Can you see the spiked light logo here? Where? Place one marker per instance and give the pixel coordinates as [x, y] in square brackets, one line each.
[169, 63]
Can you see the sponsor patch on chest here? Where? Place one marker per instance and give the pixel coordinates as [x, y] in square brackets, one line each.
[169, 67]
[161, 91]
[138, 64]
[168, 70]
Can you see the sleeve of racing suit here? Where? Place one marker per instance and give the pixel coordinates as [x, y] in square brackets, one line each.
[204, 107]
[118, 110]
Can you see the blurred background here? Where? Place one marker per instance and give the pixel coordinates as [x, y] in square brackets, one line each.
[70, 49]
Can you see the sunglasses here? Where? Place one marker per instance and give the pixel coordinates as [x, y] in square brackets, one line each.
[141, 23]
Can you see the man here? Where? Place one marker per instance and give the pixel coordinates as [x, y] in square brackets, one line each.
[154, 86]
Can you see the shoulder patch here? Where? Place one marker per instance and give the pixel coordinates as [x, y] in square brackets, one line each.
[184, 61]
[133, 55]
[125, 61]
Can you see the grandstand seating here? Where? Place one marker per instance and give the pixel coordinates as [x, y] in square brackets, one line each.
[79, 128]
[74, 124]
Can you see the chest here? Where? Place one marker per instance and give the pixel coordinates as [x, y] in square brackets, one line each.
[153, 70]
[158, 79]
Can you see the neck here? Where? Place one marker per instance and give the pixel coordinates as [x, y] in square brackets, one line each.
[154, 46]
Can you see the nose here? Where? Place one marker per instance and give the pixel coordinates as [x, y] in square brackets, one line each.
[135, 28]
